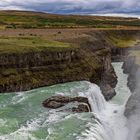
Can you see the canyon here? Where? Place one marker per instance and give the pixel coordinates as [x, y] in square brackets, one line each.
[90, 61]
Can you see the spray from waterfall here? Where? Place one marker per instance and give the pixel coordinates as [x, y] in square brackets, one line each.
[133, 107]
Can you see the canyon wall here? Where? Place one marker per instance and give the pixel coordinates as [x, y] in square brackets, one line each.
[91, 61]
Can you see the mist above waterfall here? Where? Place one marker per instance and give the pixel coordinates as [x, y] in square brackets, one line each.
[133, 108]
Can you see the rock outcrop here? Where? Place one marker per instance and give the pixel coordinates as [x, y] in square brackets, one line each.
[91, 62]
[119, 54]
[60, 101]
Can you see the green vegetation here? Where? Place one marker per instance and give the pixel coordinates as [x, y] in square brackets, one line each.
[124, 42]
[122, 39]
[29, 44]
[16, 19]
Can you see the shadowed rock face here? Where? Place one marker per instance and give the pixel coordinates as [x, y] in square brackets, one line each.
[60, 101]
[108, 91]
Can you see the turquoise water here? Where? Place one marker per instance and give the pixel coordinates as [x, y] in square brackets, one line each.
[22, 116]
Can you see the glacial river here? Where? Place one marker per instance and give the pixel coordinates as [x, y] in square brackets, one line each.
[22, 116]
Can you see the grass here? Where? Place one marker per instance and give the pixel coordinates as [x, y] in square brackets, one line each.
[124, 42]
[16, 19]
[29, 44]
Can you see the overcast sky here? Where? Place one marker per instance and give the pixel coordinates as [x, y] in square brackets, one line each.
[103, 7]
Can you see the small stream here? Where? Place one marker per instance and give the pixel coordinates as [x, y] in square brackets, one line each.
[23, 117]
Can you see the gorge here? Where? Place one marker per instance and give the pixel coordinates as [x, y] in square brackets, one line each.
[91, 61]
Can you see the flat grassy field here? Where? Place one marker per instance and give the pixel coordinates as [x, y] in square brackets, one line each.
[29, 44]
[26, 20]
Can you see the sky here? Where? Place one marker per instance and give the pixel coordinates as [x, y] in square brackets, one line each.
[127, 8]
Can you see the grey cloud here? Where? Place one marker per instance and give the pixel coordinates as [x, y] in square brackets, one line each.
[129, 7]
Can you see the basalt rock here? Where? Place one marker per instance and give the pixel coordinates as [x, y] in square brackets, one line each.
[60, 101]
[81, 108]
[119, 54]
[108, 91]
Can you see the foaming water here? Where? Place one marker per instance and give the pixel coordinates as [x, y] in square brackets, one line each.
[95, 98]
[22, 114]
[111, 121]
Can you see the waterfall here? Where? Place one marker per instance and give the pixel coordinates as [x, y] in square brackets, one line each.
[95, 98]
[99, 130]
[111, 123]
[105, 122]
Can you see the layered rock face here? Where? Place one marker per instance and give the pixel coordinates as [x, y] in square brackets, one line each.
[27, 71]
[119, 54]
[90, 62]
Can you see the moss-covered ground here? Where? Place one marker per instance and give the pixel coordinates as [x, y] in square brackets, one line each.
[29, 44]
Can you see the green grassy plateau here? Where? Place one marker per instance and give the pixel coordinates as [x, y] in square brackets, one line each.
[22, 19]
[29, 44]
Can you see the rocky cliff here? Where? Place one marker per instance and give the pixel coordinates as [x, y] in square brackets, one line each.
[25, 71]
[31, 70]
[90, 61]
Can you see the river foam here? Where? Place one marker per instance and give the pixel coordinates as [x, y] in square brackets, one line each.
[22, 114]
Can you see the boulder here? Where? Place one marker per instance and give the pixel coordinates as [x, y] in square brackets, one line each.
[55, 102]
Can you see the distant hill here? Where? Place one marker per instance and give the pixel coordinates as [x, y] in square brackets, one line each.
[28, 19]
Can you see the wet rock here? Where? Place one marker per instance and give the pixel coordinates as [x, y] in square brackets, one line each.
[60, 101]
[81, 108]
[53, 104]
[56, 101]
[108, 91]
[115, 111]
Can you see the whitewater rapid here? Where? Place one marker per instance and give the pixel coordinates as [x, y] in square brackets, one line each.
[23, 117]
[111, 120]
